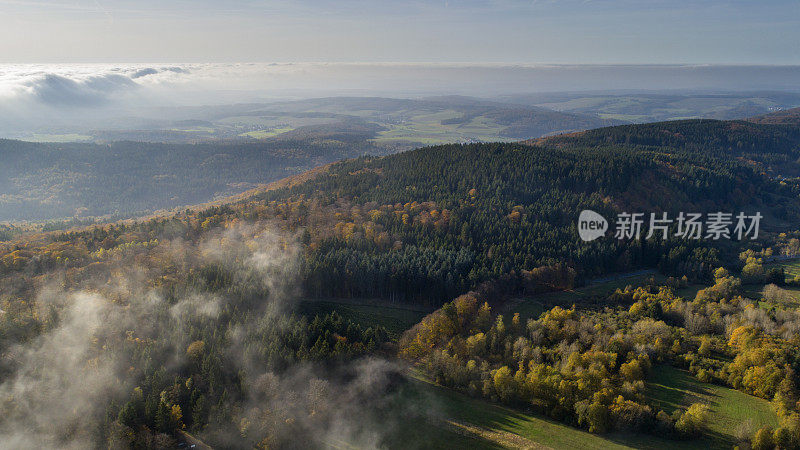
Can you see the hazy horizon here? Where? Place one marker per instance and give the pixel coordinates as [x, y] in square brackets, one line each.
[94, 96]
[505, 31]
[199, 83]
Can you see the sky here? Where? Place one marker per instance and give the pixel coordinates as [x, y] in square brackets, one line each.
[98, 62]
[499, 31]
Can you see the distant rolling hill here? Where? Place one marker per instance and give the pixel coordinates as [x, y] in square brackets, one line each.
[773, 149]
[228, 150]
[641, 107]
[399, 124]
[449, 118]
[784, 117]
[41, 181]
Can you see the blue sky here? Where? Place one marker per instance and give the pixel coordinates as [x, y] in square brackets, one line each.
[500, 31]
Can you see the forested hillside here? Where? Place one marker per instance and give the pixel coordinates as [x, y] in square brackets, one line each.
[143, 331]
[426, 225]
[770, 148]
[784, 117]
[436, 221]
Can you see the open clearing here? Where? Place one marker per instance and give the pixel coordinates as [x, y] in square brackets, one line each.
[534, 305]
[670, 388]
[480, 424]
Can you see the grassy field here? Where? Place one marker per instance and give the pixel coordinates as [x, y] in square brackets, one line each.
[791, 267]
[207, 130]
[428, 129]
[460, 421]
[367, 313]
[533, 306]
[626, 117]
[650, 109]
[755, 291]
[72, 137]
[455, 420]
[671, 388]
[263, 134]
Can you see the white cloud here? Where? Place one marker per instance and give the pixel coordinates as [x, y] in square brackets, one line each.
[87, 97]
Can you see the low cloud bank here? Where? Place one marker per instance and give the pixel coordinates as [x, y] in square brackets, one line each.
[94, 96]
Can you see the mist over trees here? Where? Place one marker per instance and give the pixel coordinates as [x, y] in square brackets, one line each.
[144, 331]
[195, 335]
